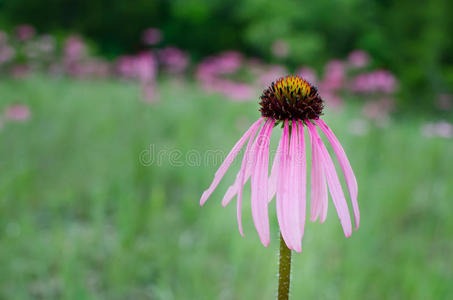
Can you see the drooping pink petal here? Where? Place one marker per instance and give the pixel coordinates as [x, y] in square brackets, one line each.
[246, 167]
[227, 162]
[345, 166]
[259, 185]
[302, 180]
[294, 189]
[249, 159]
[333, 182]
[319, 199]
[274, 172]
[282, 188]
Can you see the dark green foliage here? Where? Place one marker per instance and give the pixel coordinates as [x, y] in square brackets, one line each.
[412, 40]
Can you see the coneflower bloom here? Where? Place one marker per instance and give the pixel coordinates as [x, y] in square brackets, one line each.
[294, 103]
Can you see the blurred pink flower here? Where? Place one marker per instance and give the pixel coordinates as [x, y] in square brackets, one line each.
[238, 91]
[358, 59]
[441, 129]
[142, 67]
[308, 74]
[7, 53]
[228, 62]
[211, 71]
[174, 60]
[74, 48]
[378, 109]
[213, 67]
[17, 112]
[445, 101]
[373, 82]
[146, 67]
[152, 36]
[280, 49]
[24, 32]
[334, 76]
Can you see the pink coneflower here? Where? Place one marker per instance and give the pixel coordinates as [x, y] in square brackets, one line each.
[294, 104]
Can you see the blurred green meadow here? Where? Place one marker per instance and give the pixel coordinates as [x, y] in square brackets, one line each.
[83, 217]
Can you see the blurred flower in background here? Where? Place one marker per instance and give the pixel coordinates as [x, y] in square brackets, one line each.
[152, 36]
[17, 113]
[7, 53]
[24, 32]
[358, 59]
[173, 60]
[442, 129]
[230, 73]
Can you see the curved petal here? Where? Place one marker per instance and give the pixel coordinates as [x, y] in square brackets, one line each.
[333, 182]
[246, 168]
[259, 185]
[294, 190]
[302, 179]
[282, 188]
[245, 164]
[274, 172]
[319, 199]
[351, 181]
[227, 162]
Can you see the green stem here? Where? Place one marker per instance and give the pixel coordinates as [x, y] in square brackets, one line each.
[284, 271]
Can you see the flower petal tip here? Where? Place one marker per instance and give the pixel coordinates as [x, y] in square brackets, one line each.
[203, 198]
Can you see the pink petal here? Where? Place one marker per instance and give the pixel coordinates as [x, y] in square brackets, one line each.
[245, 165]
[274, 172]
[282, 188]
[345, 166]
[259, 185]
[247, 168]
[319, 201]
[333, 182]
[227, 162]
[302, 180]
[294, 190]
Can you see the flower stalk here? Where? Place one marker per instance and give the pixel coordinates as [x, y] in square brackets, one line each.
[284, 271]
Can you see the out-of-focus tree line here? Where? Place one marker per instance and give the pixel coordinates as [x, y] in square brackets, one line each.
[413, 39]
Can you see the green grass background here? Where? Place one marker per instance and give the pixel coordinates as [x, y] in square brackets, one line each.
[82, 218]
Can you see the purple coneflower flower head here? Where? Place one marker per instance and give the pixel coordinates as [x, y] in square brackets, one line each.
[294, 104]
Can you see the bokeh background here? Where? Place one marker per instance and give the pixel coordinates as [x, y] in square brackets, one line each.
[109, 109]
